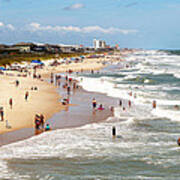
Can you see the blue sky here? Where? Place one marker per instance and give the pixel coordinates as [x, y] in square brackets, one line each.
[129, 23]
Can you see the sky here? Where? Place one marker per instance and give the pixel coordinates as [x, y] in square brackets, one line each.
[149, 24]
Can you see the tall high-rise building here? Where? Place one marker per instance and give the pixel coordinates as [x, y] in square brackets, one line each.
[98, 44]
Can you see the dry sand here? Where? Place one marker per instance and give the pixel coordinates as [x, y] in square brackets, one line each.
[87, 64]
[45, 100]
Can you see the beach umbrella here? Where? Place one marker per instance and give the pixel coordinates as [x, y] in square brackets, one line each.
[2, 68]
[37, 62]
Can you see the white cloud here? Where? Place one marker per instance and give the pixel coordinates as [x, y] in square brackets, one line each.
[35, 25]
[1, 24]
[7, 26]
[74, 6]
[88, 29]
[11, 27]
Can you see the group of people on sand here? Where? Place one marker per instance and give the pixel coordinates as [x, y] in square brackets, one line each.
[68, 84]
[26, 96]
[39, 123]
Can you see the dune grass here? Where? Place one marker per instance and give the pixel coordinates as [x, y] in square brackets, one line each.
[9, 59]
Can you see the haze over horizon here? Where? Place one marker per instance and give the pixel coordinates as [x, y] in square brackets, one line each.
[129, 23]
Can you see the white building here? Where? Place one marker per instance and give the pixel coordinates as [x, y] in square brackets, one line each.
[98, 44]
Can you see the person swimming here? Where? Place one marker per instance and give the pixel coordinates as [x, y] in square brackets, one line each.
[100, 107]
[176, 107]
[178, 142]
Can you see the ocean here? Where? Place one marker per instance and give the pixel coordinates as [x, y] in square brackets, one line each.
[146, 147]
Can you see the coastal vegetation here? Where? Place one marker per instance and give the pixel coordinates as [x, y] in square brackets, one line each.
[176, 52]
[20, 57]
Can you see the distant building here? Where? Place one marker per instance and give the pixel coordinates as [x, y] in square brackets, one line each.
[117, 46]
[23, 47]
[99, 44]
[70, 48]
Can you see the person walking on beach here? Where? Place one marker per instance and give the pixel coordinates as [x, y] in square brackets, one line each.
[94, 103]
[2, 113]
[68, 90]
[10, 102]
[26, 95]
[37, 122]
[52, 78]
[42, 121]
[17, 83]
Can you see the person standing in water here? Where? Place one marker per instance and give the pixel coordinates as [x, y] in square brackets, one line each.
[120, 102]
[94, 103]
[129, 103]
[178, 141]
[154, 104]
[114, 132]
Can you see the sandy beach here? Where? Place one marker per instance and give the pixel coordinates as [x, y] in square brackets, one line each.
[45, 100]
[86, 65]
[77, 114]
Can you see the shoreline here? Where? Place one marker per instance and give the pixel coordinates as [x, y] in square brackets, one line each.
[77, 115]
[55, 107]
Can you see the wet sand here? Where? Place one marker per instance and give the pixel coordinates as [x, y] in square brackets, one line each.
[81, 112]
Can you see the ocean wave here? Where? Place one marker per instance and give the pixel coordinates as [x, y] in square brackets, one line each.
[177, 75]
